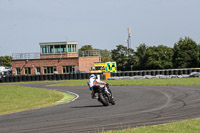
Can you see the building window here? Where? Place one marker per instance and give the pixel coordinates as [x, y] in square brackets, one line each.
[68, 69]
[69, 48]
[63, 49]
[49, 70]
[72, 48]
[51, 49]
[27, 70]
[47, 49]
[57, 49]
[37, 70]
[18, 71]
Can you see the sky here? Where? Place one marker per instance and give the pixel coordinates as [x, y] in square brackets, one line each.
[100, 23]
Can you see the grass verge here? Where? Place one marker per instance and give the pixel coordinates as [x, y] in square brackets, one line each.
[18, 98]
[188, 126]
[125, 82]
[32, 82]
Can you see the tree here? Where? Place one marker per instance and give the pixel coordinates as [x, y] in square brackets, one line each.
[86, 47]
[141, 55]
[159, 57]
[5, 60]
[123, 57]
[86, 50]
[186, 53]
[105, 55]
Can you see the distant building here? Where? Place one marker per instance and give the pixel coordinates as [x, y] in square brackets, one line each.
[54, 58]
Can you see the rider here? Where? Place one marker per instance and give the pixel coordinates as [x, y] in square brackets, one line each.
[93, 82]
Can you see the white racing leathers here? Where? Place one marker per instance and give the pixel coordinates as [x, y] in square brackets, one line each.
[93, 82]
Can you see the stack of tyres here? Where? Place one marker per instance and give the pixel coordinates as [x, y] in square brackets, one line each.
[144, 73]
[53, 77]
[118, 74]
[166, 72]
[37, 78]
[180, 72]
[66, 76]
[19, 78]
[140, 73]
[71, 76]
[153, 73]
[83, 75]
[62, 76]
[23, 78]
[49, 77]
[175, 72]
[44, 77]
[75, 76]
[57, 76]
[10, 79]
[78, 75]
[189, 71]
[87, 75]
[33, 77]
[6, 79]
[40, 77]
[3, 79]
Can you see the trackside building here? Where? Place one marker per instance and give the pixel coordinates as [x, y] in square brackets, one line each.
[54, 58]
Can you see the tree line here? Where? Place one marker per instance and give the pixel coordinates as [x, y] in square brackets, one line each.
[184, 54]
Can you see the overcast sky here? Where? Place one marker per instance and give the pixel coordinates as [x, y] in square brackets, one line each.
[101, 23]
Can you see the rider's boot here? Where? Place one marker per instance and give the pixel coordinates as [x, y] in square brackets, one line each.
[94, 96]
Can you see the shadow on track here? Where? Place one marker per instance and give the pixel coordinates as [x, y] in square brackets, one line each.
[92, 106]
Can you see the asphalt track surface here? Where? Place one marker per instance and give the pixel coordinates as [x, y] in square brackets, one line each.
[135, 106]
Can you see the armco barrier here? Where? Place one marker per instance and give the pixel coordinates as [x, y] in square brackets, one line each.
[166, 72]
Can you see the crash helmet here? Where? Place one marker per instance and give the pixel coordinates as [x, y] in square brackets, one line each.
[92, 76]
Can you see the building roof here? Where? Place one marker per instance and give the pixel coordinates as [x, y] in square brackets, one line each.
[58, 43]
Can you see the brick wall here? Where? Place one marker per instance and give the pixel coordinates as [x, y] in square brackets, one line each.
[85, 63]
[33, 63]
[81, 63]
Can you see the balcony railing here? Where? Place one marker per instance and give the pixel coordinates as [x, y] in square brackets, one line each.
[84, 53]
[19, 56]
[37, 55]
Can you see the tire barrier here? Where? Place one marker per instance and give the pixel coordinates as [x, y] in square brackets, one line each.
[26, 78]
[193, 74]
[171, 73]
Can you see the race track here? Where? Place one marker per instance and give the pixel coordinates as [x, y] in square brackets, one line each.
[135, 106]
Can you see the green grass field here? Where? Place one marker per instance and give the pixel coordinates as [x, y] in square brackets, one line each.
[125, 82]
[18, 98]
[189, 126]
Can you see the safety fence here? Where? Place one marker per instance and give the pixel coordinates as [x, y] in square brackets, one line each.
[186, 71]
[25, 78]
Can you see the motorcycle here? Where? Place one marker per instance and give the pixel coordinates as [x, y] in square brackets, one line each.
[103, 96]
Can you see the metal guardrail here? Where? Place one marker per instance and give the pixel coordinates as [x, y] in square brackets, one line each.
[89, 53]
[17, 56]
[156, 72]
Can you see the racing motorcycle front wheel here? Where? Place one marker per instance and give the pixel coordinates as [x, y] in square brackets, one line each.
[103, 99]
